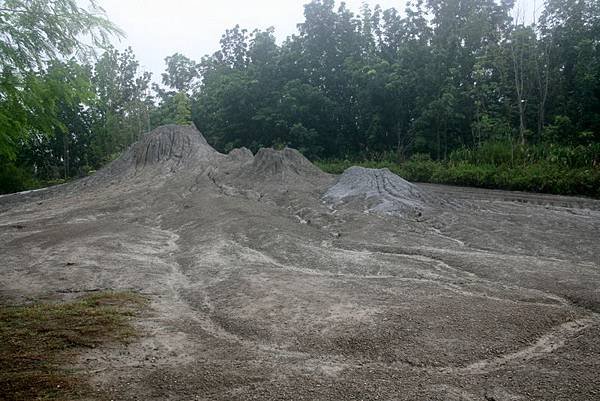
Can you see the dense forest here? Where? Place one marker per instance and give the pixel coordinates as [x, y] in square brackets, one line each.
[451, 91]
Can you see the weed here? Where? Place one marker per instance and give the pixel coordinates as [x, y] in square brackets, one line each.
[38, 341]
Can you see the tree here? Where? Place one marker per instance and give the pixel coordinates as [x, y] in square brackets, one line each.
[234, 48]
[572, 28]
[437, 77]
[181, 73]
[174, 109]
[175, 106]
[121, 108]
[63, 152]
[521, 45]
[34, 34]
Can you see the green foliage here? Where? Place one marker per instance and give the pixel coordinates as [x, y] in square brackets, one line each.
[472, 94]
[540, 168]
[121, 109]
[37, 31]
[36, 34]
[175, 106]
[15, 179]
[448, 74]
[503, 153]
[181, 73]
[560, 130]
[174, 109]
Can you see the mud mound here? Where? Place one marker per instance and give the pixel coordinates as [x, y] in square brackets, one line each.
[171, 144]
[163, 150]
[280, 165]
[241, 155]
[380, 191]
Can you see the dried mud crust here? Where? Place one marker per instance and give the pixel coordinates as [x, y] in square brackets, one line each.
[381, 191]
[271, 280]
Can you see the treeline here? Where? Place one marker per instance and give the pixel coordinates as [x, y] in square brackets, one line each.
[69, 101]
[445, 82]
[81, 117]
[442, 75]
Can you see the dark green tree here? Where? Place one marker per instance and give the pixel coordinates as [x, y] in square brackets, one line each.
[181, 73]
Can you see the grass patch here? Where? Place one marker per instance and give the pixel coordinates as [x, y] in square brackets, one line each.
[37, 341]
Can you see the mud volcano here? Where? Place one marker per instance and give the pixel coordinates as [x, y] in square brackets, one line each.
[381, 191]
[162, 151]
[269, 279]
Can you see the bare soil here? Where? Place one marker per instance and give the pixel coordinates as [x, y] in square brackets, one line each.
[271, 280]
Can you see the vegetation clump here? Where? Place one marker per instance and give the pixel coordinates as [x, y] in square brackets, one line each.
[38, 341]
[544, 168]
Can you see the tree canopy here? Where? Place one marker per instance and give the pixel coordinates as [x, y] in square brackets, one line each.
[442, 75]
[35, 35]
[441, 79]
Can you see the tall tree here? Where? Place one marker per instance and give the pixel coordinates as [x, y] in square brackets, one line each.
[35, 33]
[63, 152]
[181, 73]
[122, 104]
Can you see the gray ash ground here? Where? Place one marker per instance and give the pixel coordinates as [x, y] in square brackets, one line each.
[271, 280]
[381, 191]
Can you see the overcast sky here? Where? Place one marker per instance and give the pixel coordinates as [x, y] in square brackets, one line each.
[156, 28]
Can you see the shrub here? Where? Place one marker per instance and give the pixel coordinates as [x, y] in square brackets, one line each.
[541, 176]
[15, 179]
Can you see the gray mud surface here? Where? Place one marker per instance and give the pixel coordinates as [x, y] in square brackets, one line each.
[271, 280]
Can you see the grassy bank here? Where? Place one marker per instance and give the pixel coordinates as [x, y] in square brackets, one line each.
[38, 341]
[554, 170]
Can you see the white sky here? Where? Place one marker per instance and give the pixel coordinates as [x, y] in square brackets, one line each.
[156, 29]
